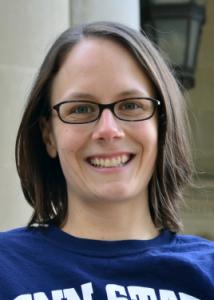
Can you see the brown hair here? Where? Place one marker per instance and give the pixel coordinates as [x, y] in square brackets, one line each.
[42, 180]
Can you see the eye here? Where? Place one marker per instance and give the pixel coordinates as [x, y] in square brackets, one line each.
[77, 108]
[130, 105]
[84, 108]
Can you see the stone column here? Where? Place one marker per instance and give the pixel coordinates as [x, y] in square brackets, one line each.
[123, 11]
[27, 29]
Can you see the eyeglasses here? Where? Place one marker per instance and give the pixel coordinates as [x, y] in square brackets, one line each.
[129, 109]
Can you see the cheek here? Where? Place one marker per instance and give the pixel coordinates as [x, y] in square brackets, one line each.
[146, 134]
[147, 137]
[70, 140]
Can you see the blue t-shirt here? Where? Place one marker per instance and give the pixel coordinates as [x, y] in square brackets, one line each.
[46, 263]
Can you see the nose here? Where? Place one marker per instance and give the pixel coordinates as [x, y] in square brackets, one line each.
[107, 127]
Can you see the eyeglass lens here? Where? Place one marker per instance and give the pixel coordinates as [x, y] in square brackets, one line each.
[135, 109]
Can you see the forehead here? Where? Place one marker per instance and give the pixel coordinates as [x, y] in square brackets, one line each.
[99, 64]
[95, 52]
[89, 47]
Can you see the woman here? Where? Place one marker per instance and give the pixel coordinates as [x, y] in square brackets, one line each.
[102, 154]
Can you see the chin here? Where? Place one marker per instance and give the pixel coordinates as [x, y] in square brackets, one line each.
[116, 193]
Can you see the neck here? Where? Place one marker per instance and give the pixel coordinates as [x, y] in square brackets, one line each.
[110, 221]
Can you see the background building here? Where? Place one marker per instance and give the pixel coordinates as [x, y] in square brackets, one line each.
[27, 29]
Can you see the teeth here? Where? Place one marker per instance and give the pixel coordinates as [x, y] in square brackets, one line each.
[110, 162]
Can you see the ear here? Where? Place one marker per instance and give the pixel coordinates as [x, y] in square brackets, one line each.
[48, 137]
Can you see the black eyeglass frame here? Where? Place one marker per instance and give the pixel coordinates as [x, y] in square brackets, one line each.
[109, 106]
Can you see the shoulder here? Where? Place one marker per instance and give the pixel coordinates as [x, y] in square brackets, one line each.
[11, 236]
[194, 250]
[193, 243]
[183, 246]
[19, 239]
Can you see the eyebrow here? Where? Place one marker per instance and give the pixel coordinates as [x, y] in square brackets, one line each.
[79, 95]
[132, 92]
[127, 93]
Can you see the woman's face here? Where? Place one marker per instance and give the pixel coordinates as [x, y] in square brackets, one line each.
[102, 71]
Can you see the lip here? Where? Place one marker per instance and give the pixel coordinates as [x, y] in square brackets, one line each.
[109, 156]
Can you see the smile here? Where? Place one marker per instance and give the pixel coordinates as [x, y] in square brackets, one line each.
[110, 162]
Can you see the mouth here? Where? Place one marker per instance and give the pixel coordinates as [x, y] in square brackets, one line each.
[110, 161]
